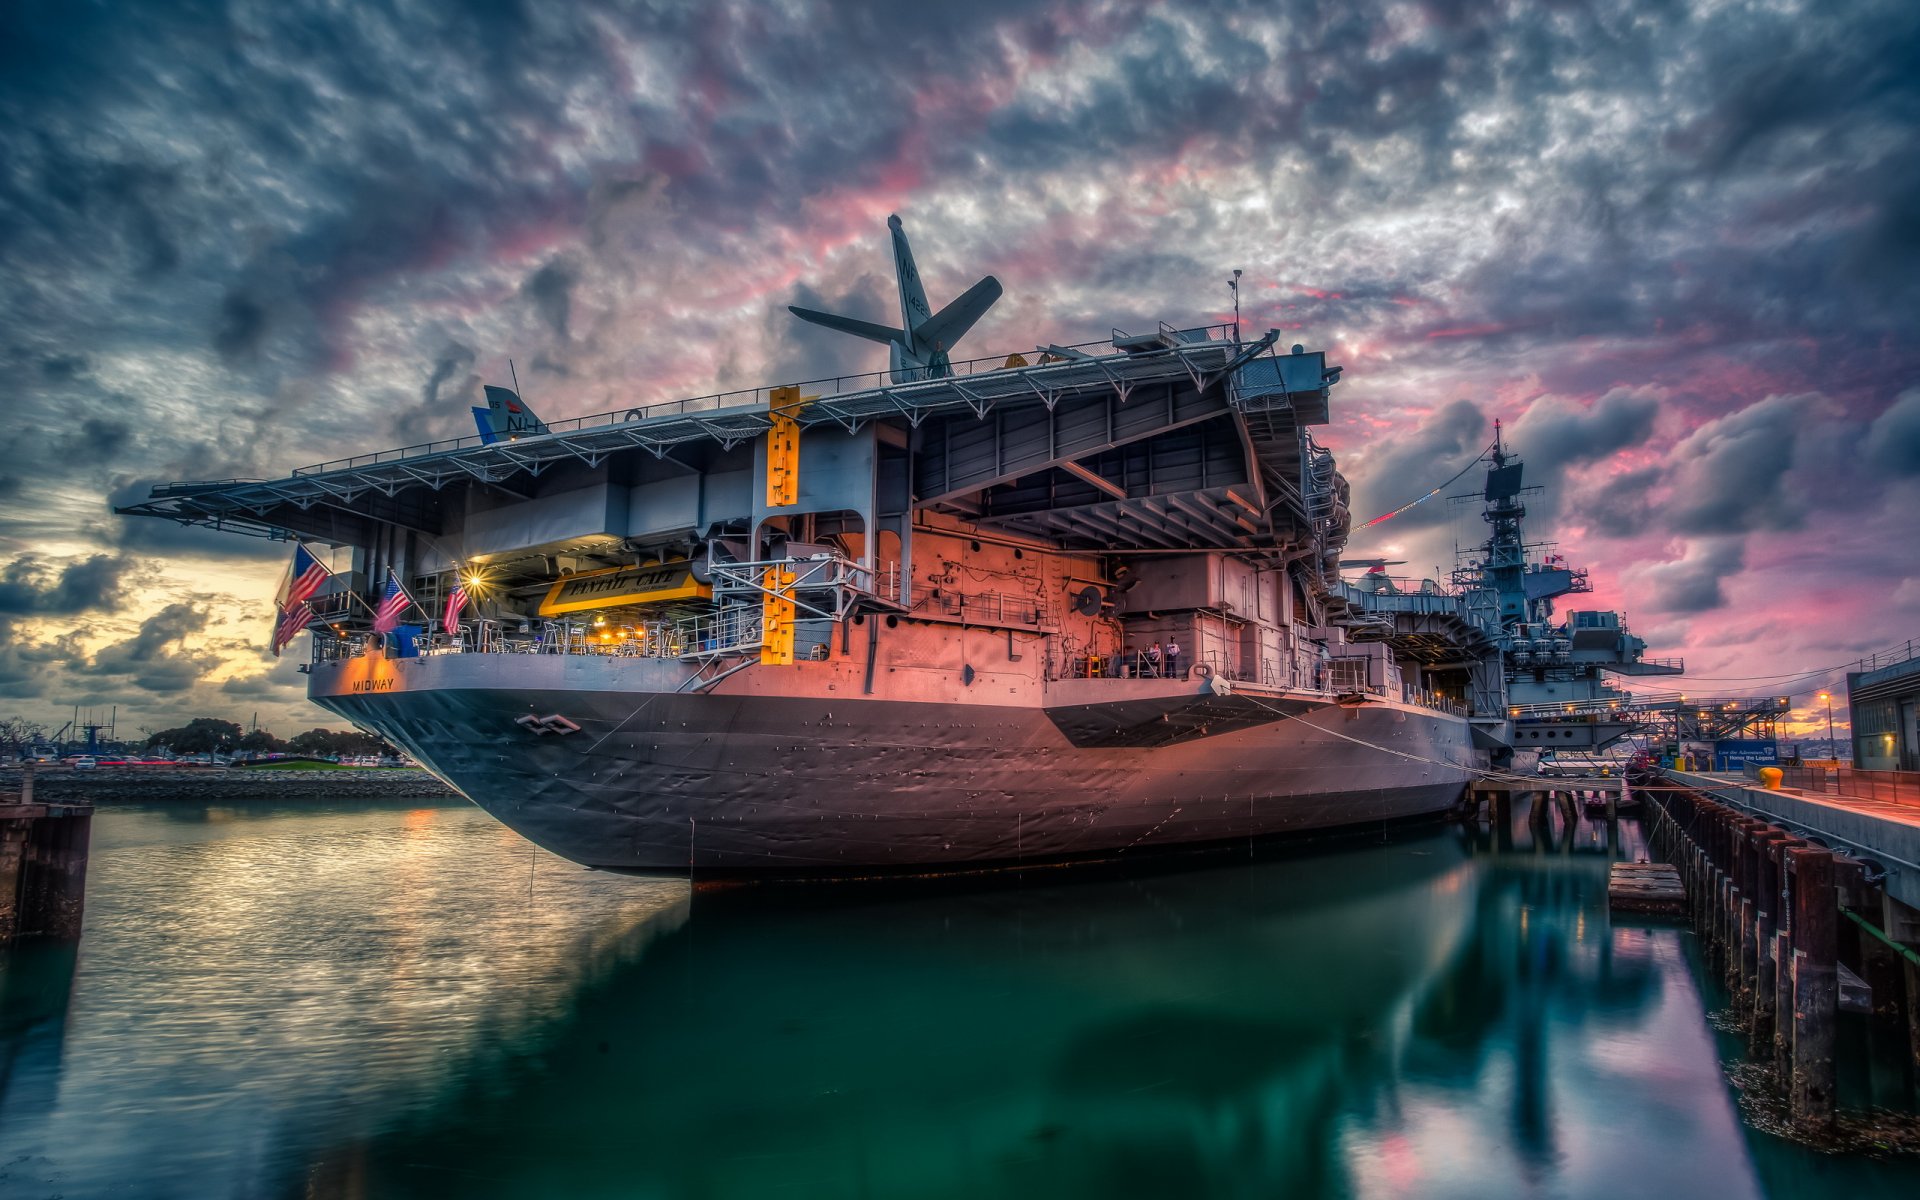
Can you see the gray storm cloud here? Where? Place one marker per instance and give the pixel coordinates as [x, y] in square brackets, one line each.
[1696, 582]
[238, 238]
[1728, 475]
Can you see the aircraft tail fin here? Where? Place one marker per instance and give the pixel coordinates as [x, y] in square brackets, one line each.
[951, 323]
[914, 309]
[506, 417]
[921, 347]
[859, 329]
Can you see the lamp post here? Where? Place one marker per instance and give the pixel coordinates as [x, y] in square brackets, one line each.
[1832, 750]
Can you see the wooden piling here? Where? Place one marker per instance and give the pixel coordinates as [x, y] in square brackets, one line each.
[43, 866]
[68, 835]
[1783, 961]
[1766, 928]
[1729, 910]
[1880, 967]
[1735, 827]
[1749, 907]
[1913, 1012]
[1816, 996]
[13, 854]
[1699, 881]
[1723, 897]
[1784, 1006]
[1749, 958]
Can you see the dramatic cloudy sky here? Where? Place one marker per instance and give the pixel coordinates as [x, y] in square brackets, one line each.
[1675, 246]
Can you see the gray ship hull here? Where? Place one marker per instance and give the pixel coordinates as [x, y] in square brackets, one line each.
[748, 784]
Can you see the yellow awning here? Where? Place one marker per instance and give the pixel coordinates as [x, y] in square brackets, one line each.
[623, 586]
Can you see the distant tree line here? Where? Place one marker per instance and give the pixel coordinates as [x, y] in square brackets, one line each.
[17, 733]
[210, 735]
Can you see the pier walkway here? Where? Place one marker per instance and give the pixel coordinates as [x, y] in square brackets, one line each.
[1884, 830]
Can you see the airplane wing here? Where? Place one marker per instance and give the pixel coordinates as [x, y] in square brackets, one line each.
[860, 329]
[951, 323]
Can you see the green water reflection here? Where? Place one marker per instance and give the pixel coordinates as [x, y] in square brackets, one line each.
[395, 1001]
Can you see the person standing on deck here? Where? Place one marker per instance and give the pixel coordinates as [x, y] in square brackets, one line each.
[1173, 658]
[1153, 660]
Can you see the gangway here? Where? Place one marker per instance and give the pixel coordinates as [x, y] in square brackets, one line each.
[1662, 718]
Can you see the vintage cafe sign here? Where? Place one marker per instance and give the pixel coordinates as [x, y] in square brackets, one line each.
[623, 586]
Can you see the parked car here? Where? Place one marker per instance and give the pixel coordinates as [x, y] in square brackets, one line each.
[83, 762]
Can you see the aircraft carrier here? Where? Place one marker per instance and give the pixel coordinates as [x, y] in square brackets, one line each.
[1071, 602]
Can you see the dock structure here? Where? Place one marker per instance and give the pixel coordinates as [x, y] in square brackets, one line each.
[43, 866]
[1499, 794]
[1652, 888]
[1783, 886]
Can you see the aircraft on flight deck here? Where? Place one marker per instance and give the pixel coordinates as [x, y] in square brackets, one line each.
[920, 347]
[506, 417]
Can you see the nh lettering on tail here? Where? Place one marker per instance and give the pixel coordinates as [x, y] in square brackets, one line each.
[506, 417]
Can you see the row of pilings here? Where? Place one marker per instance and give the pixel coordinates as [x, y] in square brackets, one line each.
[1767, 904]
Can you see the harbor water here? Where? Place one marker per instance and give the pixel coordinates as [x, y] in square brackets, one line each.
[382, 999]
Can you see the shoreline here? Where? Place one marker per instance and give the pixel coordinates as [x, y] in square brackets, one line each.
[108, 785]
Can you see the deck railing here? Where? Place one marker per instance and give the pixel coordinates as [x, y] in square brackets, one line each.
[736, 630]
[1888, 658]
[821, 587]
[746, 397]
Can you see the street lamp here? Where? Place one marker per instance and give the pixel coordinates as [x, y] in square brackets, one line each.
[1832, 750]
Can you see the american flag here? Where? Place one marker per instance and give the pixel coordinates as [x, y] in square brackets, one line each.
[393, 602]
[304, 577]
[292, 621]
[456, 600]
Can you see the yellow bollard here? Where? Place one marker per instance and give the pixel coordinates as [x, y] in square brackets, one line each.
[1770, 778]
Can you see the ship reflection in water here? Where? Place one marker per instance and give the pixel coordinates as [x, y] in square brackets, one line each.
[397, 1002]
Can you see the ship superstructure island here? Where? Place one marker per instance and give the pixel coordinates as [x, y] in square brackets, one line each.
[1555, 671]
[1558, 688]
[1072, 602]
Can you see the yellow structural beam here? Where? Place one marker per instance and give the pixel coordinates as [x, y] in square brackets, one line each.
[776, 617]
[783, 445]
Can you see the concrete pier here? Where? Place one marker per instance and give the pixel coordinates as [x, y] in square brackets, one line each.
[1887, 833]
[43, 866]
